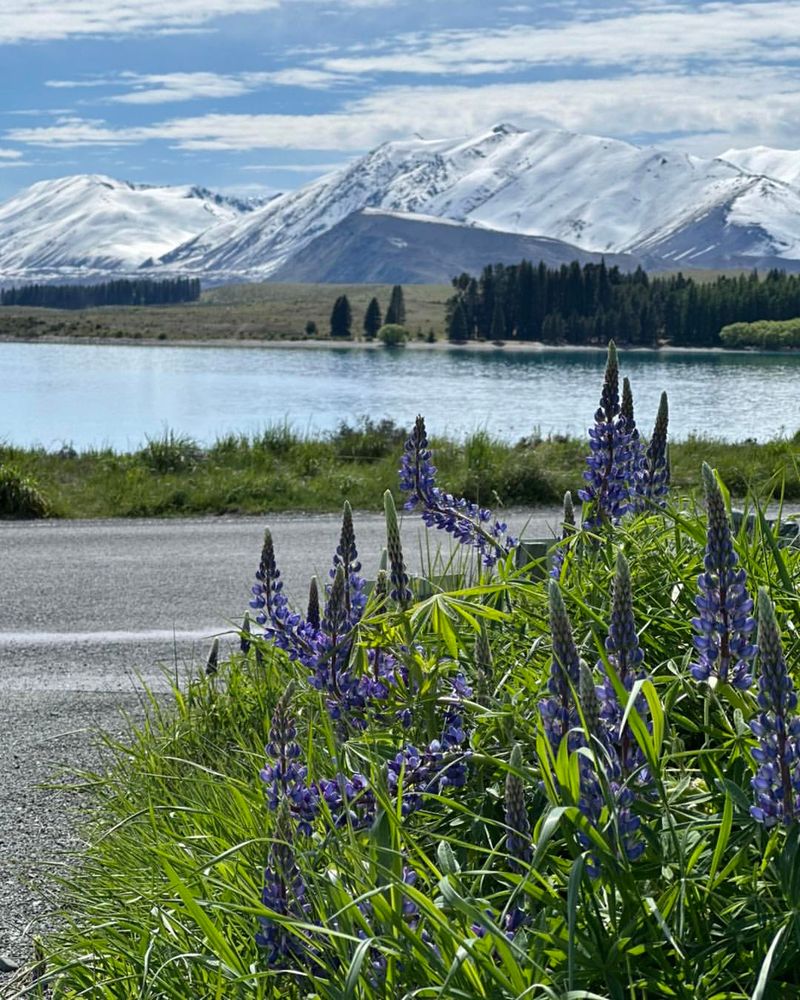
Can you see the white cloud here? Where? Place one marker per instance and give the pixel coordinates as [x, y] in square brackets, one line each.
[164, 88]
[742, 108]
[10, 154]
[661, 35]
[32, 20]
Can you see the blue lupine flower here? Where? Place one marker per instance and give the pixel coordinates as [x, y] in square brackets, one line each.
[607, 489]
[268, 597]
[567, 530]
[723, 624]
[777, 728]
[284, 893]
[346, 556]
[558, 712]
[313, 614]
[468, 523]
[518, 837]
[654, 486]
[626, 656]
[636, 462]
[285, 777]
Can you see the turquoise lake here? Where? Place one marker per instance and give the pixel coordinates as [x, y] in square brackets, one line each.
[88, 396]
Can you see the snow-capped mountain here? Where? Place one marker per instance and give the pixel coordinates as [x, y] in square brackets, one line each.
[603, 196]
[89, 222]
[600, 194]
[780, 164]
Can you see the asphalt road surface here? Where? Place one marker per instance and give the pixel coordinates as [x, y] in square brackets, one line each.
[89, 609]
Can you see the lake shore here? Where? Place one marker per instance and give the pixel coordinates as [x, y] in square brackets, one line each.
[470, 346]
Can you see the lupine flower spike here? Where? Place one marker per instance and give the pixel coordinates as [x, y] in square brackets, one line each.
[313, 613]
[244, 635]
[212, 663]
[468, 523]
[567, 529]
[625, 655]
[637, 459]
[346, 556]
[655, 480]
[518, 837]
[284, 775]
[558, 711]
[723, 623]
[285, 894]
[607, 489]
[777, 728]
[400, 590]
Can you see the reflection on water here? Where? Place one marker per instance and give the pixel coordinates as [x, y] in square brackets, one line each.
[91, 395]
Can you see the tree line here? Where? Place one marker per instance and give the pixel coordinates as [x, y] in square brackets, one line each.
[590, 304]
[120, 292]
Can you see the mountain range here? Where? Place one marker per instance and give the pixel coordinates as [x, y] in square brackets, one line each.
[424, 210]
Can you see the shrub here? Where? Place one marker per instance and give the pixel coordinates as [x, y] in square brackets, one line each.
[20, 495]
[392, 335]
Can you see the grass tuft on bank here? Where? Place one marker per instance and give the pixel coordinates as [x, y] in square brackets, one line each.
[283, 470]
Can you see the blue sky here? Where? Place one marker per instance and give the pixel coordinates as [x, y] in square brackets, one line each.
[264, 95]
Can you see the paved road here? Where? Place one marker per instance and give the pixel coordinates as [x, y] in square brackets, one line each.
[89, 607]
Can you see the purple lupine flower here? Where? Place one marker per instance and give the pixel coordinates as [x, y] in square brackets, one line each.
[625, 655]
[654, 486]
[607, 489]
[346, 556]
[285, 777]
[558, 712]
[349, 799]
[777, 728]
[518, 837]
[268, 597]
[400, 590]
[284, 893]
[723, 623]
[567, 530]
[468, 523]
[636, 462]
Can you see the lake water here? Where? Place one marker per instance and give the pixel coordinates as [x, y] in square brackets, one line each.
[115, 395]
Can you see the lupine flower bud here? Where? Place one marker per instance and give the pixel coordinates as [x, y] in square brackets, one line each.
[655, 481]
[400, 592]
[518, 838]
[212, 663]
[777, 727]
[313, 615]
[723, 623]
[268, 597]
[558, 711]
[244, 635]
[590, 704]
[567, 529]
[635, 473]
[381, 588]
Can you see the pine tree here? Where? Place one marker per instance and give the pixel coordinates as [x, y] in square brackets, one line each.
[498, 328]
[396, 313]
[372, 319]
[341, 317]
[457, 327]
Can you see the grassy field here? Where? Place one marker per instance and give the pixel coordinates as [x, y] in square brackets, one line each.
[230, 312]
[281, 470]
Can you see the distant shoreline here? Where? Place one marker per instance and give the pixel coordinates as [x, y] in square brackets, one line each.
[473, 346]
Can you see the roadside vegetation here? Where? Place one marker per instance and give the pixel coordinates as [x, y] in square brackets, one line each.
[282, 470]
[576, 778]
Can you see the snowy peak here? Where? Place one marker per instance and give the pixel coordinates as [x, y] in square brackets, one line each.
[91, 222]
[780, 164]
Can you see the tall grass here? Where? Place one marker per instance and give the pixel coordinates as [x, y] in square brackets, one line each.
[280, 469]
